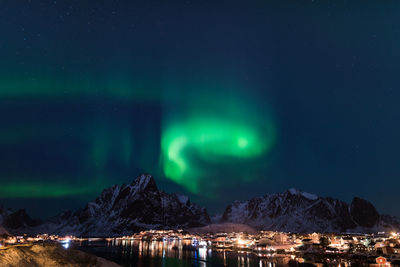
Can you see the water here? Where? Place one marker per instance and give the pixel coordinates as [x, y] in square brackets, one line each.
[180, 253]
[172, 253]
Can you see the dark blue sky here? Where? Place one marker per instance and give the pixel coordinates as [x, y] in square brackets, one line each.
[220, 101]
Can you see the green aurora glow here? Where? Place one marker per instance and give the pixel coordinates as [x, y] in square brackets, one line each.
[211, 140]
[219, 101]
[42, 190]
[191, 145]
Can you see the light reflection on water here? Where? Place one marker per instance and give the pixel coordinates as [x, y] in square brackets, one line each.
[168, 253]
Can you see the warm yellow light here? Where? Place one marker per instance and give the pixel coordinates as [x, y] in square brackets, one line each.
[241, 241]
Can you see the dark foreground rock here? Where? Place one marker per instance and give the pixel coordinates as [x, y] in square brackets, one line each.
[49, 255]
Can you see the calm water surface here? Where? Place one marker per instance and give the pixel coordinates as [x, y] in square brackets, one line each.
[178, 253]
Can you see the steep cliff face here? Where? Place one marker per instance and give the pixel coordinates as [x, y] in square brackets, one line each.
[363, 212]
[128, 208]
[298, 211]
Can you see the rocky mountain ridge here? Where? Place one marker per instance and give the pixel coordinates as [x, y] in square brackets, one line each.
[125, 209]
[298, 211]
[121, 210]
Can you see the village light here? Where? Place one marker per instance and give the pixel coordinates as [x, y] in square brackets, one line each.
[241, 242]
[381, 260]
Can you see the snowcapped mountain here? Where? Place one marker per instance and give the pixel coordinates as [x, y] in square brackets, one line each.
[121, 210]
[298, 211]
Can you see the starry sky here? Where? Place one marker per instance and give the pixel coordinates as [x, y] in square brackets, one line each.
[219, 100]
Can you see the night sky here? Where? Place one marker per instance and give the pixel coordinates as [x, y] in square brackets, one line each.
[219, 100]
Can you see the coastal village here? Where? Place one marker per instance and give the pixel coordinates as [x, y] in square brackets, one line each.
[381, 249]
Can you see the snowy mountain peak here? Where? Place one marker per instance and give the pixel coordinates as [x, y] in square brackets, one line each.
[123, 210]
[298, 192]
[144, 181]
[294, 191]
[298, 211]
[183, 199]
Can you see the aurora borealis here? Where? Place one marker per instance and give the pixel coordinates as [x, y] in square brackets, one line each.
[219, 101]
[213, 142]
